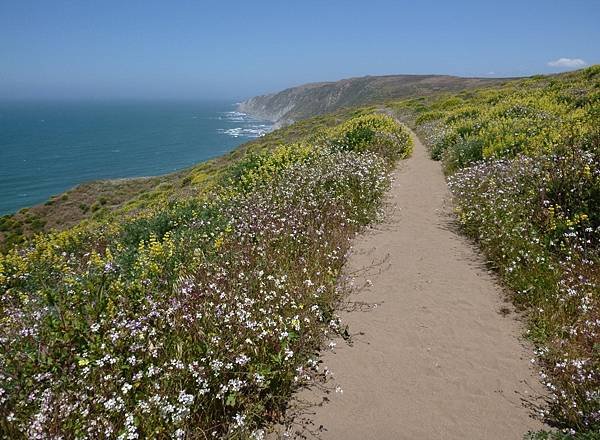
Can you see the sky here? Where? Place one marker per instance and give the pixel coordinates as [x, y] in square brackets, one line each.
[177, 49]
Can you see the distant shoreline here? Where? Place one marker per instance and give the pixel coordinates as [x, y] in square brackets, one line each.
[50, 148]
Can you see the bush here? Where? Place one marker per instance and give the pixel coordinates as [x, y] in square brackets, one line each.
[375, 132]
[463, 153]
[197, 318]
[535, 117]
[524, 165]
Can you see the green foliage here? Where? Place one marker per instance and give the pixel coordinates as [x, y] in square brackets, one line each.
[259, 168]
[533, 117]
[195, 315]
[428, 117]
[374, 132]
[466, 150]
[546, 435]
[448, 103]
[7, 223]
[524, 165]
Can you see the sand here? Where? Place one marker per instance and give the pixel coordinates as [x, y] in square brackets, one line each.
[438, 357]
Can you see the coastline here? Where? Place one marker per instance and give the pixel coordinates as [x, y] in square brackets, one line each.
[51, 148]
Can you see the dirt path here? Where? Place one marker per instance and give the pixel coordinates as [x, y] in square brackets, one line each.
[437, 359]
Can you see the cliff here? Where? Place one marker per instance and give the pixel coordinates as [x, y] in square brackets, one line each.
[308, 100]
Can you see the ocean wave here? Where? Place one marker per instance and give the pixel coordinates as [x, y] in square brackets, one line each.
[252, 131]
[244, 125]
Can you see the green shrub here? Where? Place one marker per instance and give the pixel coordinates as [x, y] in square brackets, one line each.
[191, 317]
[374, 132]
[524, 165]
[546, 435]
[534, 117]
[428, 117]
[466, 151]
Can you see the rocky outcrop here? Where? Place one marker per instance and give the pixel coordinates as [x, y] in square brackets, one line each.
[314, 99]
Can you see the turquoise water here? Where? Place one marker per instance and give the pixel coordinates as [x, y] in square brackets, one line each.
[47, 148]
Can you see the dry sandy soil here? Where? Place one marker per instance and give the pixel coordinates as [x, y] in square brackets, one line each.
[437, 357]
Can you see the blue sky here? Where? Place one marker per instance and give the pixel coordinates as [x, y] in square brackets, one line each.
[233, 49]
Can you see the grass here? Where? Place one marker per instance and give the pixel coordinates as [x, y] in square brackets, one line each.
[198, 318]
[95, 202]
[196, 302]
[313, 99]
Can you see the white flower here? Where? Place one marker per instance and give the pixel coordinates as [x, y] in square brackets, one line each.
[240, 420]
[242, 359]
[185, 399]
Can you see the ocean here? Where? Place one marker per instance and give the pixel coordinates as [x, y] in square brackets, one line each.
[49, 147]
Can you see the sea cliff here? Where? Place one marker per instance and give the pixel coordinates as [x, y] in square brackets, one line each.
[295, 103]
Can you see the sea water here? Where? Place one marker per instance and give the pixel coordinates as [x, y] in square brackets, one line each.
[49, 147]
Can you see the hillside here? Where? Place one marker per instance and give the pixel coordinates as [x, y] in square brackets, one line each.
[200, 301]
[523, 165]
[188, 318]
[317, 106]
[308, 100]
[99, 200]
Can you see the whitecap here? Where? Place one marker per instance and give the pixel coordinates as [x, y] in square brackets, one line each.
[245, 125]
[250, 132]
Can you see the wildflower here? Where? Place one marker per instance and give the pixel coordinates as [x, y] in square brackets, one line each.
[242, 359]
[239, 420]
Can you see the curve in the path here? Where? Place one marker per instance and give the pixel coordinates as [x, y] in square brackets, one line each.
[436, 359]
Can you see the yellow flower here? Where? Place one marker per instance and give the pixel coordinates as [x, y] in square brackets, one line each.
[586, 171]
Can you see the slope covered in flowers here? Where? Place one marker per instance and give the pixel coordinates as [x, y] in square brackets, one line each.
[98, 201]
[196, 319]
[524, 167]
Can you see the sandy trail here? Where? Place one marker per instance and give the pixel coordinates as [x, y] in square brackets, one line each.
[437, 359]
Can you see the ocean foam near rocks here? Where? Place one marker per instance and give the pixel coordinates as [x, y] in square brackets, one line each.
[246, 126]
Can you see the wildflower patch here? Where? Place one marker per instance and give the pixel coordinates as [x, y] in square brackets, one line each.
[197, 319]
[524, 166]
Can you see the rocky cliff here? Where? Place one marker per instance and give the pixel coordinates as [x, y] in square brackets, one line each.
[313, 99]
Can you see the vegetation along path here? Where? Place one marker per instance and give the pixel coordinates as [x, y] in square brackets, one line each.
[437, 358]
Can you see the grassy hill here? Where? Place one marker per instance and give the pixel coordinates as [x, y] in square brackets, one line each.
[197, 301]
[308, 100]
[523, 162]
[100, 200]
[198, 314]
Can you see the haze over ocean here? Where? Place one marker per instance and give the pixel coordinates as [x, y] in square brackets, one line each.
[49, 147]
[95, 60]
